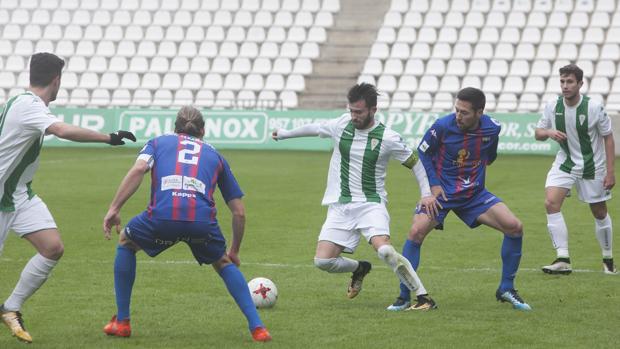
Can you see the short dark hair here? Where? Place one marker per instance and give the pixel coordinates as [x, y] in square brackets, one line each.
[367, 92]
[474, 96]
[44, 67]
[189, 121]
[572, 69]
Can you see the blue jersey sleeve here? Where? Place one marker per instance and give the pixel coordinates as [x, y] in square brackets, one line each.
[497, 128]
[427, 148]
[228, 183]
[493, 150]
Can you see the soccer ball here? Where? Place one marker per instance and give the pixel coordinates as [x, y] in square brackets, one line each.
[263, 291]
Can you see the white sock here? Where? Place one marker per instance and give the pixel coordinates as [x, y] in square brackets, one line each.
[558, 233]
[33, 276]
[336, 265]
[604, 235]
[406, 275]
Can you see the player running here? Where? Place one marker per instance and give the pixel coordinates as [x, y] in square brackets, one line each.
[455, 152]
[356, 193]
[25, 120]
[184, 173]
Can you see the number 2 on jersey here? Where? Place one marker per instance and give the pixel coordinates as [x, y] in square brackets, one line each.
[188, 155]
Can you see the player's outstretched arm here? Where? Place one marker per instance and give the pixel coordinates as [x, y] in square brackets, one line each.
[310, 130]
[127, 188]
[79, 134]
[237, 209]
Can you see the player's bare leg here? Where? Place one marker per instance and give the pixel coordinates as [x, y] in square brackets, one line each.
[501, 218]
[49, 246]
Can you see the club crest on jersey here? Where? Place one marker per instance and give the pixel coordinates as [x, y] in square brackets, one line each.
[463, 155]
[582, 119]
[373, 143]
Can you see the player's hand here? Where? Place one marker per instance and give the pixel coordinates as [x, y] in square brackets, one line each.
[431, 205]
[274, 135]
[437, 191]
[609, 181]
[111, 219]
[557, 136]
[116, 138]
[234, 257]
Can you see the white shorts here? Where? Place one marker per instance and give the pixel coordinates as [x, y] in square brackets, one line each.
[588, 190]
[31, 216]
[346, 222]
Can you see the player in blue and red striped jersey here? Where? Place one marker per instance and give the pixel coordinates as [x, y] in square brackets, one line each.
[455, 152]
[184, 173]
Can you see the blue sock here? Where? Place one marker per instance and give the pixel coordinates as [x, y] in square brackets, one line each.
[124, 276]
[511, 256]
[411, 251]
[238, 289]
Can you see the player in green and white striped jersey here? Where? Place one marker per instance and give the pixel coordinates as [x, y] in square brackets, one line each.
[585, 159]
[355, 191]
[24, 122]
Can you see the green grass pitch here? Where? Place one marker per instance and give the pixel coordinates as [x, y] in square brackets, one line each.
[177, 304]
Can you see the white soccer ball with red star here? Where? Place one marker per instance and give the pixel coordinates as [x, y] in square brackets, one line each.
[264, 292]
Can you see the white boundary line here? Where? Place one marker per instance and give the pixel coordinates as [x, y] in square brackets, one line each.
[296, 266]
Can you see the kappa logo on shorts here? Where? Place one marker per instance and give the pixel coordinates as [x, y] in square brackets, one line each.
[489, 199]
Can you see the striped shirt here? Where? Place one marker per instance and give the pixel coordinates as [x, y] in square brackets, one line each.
[457, 160]
[184, 173]
[359, 161]
[22, 127]
[583, 153]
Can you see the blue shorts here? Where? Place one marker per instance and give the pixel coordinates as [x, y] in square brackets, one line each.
[467, 209]
[156, 235]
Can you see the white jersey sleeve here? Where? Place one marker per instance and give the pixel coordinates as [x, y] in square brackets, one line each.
[603, 121]
[398, 148]
[333, 128]
[35, 115]
[545, 121]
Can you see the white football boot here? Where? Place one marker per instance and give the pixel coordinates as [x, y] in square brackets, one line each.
[559, 266]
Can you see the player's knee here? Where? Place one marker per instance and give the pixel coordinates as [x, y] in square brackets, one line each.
[514, 228]
[416, 235]
[386, 252]
[552, 206]
[325, 264]
[54, 251]
[599, 212]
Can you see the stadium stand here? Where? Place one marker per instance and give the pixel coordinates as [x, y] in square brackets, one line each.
[505, 47]
[264, 53]
[217, 53]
